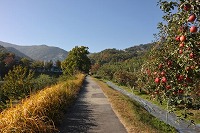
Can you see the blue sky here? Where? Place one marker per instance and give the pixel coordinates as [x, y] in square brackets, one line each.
[97, 24]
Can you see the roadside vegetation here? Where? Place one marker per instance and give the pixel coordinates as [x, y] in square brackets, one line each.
[37, 102]
[19, 83]
[43, 110]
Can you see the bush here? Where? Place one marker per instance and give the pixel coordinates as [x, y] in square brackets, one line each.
[43, 81]
[18, 83]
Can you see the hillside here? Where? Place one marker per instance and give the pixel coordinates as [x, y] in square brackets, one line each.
[38, 52]
[4, 53]
[17, 52]
[3, 50]
[114, 55]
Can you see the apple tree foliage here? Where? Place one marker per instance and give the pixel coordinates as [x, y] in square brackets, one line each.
[172, 73]
[77, 61]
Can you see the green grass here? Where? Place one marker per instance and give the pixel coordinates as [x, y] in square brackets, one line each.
[196, 113]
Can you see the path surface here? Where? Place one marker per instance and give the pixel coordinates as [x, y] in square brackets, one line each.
[169, 118]
[91, 113]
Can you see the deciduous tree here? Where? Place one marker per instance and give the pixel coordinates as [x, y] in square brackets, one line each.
[77, 60]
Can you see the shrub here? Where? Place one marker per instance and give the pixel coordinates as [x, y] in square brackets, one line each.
[43, 81]
[18, 83]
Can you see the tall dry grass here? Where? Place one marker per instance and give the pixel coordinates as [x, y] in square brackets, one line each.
[39, 112]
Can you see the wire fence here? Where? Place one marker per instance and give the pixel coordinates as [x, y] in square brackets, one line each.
[182, 126]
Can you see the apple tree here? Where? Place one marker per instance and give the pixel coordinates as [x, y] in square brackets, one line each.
[173, 69]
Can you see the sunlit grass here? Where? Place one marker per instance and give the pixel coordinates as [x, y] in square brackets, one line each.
[41, 111]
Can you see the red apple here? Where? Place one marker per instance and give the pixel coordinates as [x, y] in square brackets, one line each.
[193, 29]
[178, 38]
[168, 87]
[180, 78]
[192, 18]
[162, 73]
[157, 80]
[182, 38]
[191, 55]
[187, 7]
[164, 80]
[181, 45]
[180, 51]
[180, 91]
[169, 63]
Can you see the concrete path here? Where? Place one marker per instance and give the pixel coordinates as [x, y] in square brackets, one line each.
[91, 113]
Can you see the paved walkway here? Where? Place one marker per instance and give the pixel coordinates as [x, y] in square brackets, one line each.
[91, 113]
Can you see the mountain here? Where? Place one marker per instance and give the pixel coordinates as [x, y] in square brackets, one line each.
[114, 55]
[140, 49]
[38, 52]
[8, 56]
[17, 52]
[3, 50]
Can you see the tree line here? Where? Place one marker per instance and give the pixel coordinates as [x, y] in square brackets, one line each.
[25, 77]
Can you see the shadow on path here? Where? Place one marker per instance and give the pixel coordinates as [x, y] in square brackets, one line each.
[79, 117]
[91, 113]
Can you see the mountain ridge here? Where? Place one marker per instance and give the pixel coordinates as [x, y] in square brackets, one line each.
[112, 55]
[38, 52]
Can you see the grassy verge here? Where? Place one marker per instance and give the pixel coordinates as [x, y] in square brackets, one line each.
[195, 113]
[133, 116]
[40, 112]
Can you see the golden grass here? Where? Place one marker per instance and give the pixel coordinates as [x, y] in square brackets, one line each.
[132, 115]
[39, 112]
